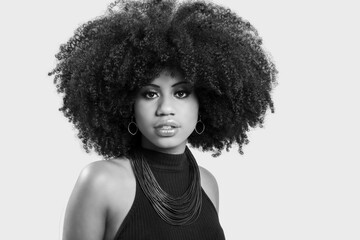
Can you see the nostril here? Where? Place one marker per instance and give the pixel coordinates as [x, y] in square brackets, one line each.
[165, 109]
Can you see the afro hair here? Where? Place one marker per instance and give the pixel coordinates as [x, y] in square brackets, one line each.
[106, 61]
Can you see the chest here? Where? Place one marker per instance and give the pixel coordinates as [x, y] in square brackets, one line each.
[142, 222]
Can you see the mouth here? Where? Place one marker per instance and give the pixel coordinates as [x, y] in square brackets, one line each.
[167, 124]
[167, 128]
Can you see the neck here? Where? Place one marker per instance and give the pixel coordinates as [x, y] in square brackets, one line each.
[165, 161]
[179, 149]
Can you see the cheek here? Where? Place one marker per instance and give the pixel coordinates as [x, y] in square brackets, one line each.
[140, 112]
[193, 111]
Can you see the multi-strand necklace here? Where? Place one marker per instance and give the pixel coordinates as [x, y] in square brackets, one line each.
[182, 210]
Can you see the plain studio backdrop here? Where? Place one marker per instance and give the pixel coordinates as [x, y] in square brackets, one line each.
[299, 177]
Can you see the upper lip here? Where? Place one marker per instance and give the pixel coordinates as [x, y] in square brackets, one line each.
[167, 122]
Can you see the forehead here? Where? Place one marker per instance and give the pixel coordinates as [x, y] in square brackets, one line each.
[168, 77]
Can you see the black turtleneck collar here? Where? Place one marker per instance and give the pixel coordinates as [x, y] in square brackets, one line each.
[165, 161]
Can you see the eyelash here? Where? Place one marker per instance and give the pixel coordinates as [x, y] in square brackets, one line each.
[186, 92]
[146, 94]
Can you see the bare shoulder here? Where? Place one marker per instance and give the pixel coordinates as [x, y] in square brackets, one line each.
[99, 185]
[113, 180]
[102, 174]
[210, 186]
[119, 167]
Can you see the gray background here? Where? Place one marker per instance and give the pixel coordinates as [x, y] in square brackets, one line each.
[299, 177]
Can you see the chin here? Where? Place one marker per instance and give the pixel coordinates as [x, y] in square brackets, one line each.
[169, 143]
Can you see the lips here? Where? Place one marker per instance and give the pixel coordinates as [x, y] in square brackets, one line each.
[166, 128]
[169, 123]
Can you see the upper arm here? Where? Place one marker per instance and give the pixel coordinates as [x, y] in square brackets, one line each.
[210, 186]
[85, 214]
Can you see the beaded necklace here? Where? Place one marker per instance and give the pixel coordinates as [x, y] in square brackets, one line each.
[182, 210]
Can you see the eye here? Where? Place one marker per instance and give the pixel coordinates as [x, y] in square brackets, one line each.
[182, 94]
[150, 94]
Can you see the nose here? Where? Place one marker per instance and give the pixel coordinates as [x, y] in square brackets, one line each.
[165, 107]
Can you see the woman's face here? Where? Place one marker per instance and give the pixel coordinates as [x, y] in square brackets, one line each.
[166, 112]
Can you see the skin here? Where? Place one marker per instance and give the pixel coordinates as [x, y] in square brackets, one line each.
[105, 190]
[166, 98]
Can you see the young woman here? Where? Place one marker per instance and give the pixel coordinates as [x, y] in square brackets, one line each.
[139, 84]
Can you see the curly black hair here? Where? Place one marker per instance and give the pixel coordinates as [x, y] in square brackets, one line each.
[100, 69]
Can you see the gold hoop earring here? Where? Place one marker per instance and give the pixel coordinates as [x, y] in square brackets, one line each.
[202, 128]
[130, 126]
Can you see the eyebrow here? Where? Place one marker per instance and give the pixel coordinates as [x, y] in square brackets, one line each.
[174, 85]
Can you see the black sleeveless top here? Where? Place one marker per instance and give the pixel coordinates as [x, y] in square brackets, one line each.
[143, 223]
